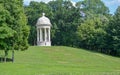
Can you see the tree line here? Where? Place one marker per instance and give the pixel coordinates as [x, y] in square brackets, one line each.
[88, 24]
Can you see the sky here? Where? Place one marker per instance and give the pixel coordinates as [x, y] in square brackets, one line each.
[112, 4]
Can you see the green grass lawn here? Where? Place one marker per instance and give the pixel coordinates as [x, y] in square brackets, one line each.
[60, 60]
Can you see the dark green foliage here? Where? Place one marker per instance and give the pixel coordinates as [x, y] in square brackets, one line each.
[65, 22]
[5, 31]
[114, 33]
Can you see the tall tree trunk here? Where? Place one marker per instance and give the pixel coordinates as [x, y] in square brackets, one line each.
[13, 56]
[6, 53]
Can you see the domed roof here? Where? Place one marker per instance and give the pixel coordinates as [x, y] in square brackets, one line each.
[43, 21]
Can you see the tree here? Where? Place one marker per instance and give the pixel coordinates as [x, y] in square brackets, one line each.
[92, 34]
[5, 32]
[14, 29]
[66, 19]
[114, 33]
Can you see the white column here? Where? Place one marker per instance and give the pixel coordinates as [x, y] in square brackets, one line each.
[45, 34]
[41, 35]
[37, 34]
[49, 33]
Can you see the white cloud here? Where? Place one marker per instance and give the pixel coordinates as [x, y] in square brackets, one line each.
[73, 3]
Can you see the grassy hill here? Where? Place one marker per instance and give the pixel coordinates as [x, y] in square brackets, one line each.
[60, 60]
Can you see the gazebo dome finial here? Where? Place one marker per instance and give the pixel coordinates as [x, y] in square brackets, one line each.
[43, 14]
[43, 21]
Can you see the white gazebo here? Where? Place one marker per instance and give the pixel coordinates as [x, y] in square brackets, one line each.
[43, 31]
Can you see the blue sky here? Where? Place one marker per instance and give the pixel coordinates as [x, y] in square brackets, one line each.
[112, 4]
